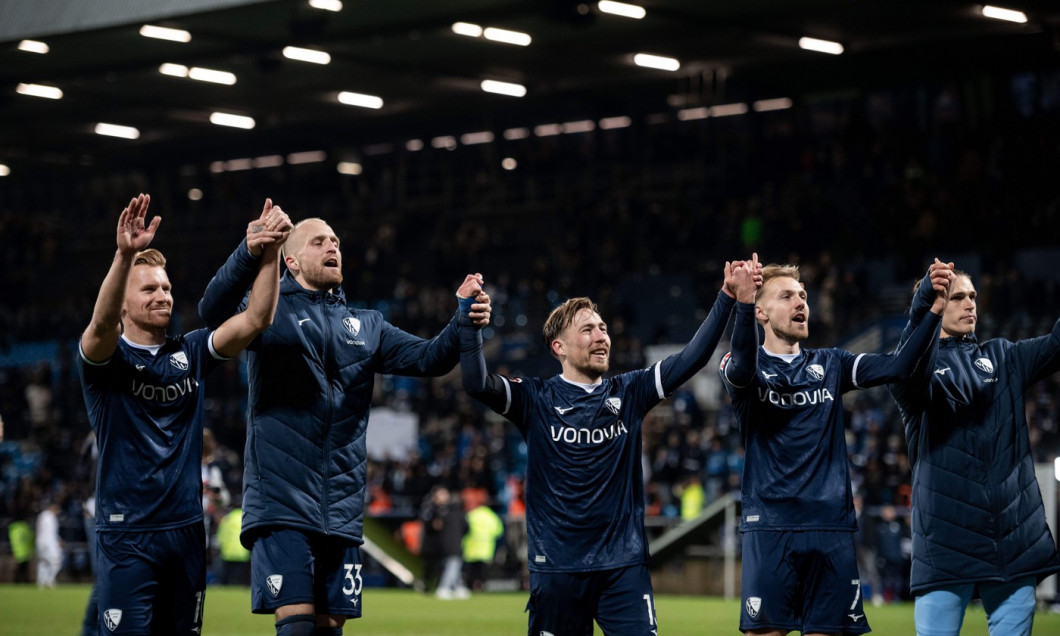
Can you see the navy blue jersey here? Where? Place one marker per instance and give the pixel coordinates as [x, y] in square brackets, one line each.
[791, 420]
[584, 482]
[796, 472]
[584, 489]
[147, 412]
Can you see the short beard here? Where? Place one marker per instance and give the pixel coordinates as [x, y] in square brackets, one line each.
[591, 370]
[790, 336]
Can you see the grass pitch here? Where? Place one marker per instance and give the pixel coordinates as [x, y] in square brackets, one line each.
[27, 611]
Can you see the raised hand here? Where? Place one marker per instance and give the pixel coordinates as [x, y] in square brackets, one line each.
[133, 234]
[740, 280]
[941, 276]
[271, 228]
[480, 311]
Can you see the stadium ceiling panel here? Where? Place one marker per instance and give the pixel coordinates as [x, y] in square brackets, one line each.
[422, 66]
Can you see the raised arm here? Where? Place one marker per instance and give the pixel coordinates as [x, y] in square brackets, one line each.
[739, 285]
[224, 294]
[405, 354]
[238, 331]
[100, 338]
[936, 281]
[482, 386]
[875, 369]
[739, 370]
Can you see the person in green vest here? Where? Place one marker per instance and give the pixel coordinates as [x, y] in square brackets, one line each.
[22, 539]
[480, 542]
[692, 497]
[235, 559]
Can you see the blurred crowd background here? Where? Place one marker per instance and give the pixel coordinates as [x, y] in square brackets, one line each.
[861, 190]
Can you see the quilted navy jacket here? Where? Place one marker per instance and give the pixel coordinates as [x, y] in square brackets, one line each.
[311, 377]
[977, 510]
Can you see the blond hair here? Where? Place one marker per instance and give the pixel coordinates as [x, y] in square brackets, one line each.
[562, 317]
[151, 257]
[291, 244]
[771, 271]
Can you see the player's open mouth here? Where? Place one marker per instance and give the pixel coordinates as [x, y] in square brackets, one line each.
[331, 262]
[799, 318]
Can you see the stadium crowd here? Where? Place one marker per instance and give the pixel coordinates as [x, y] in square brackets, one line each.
[866, 187]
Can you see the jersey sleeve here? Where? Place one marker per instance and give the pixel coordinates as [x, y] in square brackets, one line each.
[739, 365]
[226, 293]
[509, 397]
[676, 369]
[865, 370]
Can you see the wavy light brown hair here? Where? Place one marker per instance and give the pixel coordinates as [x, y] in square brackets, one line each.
[562, 316]
[771, 271]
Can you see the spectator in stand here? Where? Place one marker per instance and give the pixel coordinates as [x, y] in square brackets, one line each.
[49, 545]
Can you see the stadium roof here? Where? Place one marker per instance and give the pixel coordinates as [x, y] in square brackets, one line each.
[428, 79]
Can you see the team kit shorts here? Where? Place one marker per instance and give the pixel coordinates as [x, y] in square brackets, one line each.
[801, 581]
[289, 567]
[566, 603]
[151, 582]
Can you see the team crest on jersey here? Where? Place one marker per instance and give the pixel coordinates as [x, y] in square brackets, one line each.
[353, 325]
[614, 405]
[179, 360]
[112, 618]
[816, 371]
[752, 605]
[984, 365]
[274, 582]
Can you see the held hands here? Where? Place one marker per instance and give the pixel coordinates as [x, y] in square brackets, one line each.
[271, 228]
[133, 235]
[743, 278]
[941, 276]
[471, 290]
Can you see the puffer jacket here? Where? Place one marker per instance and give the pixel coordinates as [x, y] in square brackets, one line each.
[311, 376]
[977, 511]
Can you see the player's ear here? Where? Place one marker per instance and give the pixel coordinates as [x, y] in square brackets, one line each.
[557, 348]
[760, 315]
[291, 262]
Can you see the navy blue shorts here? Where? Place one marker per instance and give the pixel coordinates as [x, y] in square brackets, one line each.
[289, 567]
[801, 581]
[151, 582]
[566, 603]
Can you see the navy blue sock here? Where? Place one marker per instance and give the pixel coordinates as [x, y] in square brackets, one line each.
[296, 625]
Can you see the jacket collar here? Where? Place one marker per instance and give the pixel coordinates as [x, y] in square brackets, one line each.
[288, 285]
[956, 341]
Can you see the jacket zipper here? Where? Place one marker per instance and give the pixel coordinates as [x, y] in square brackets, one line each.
[327, 420]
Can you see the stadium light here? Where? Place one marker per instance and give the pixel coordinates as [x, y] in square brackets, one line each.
[764, 105]
[1056, 462]
[200, 74]
[1009, 15]
[472, 138]
[4, 170]
[308, 156]
[39, 90]
[659, 62]
[326, 5]
[621, 9]
[728, 110]
[581, 126]
[689, 114]
[195, 194]
[236, 165]
[610, 123]
[114, 130]
[268, 161]
[503, 88]
[173, 70]
[821, 46]
[165, 33]
[360, 99]
[468, 29]
[507, 37]
[548, 130]
[235, 121]
[33, 46]
[349, 167]
[445, 141]
[306, 55]
[514, 134]
[414, 145]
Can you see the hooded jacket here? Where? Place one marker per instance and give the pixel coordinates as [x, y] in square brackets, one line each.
[311, 376]
[977, 511]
